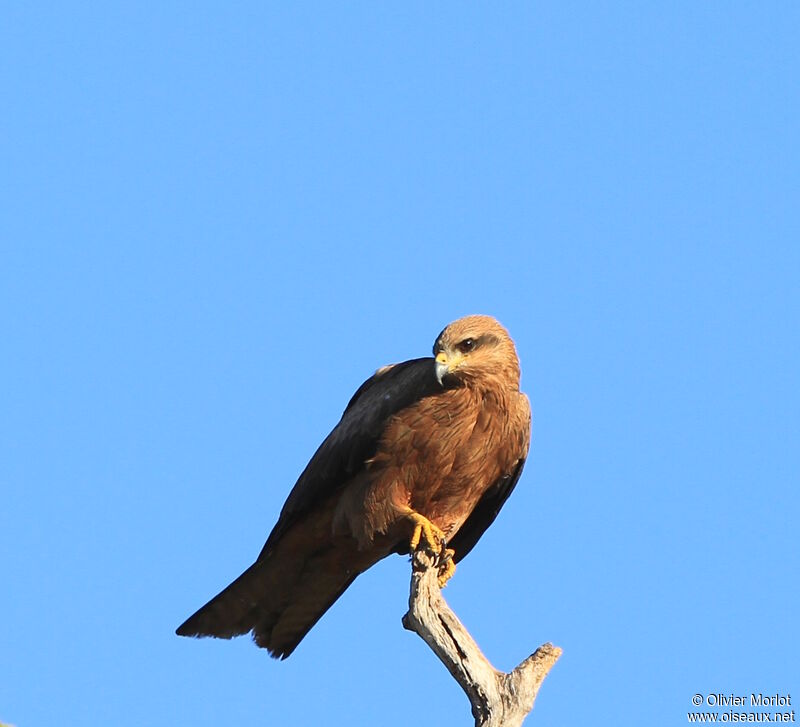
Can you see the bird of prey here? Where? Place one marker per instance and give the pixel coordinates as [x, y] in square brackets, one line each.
[425, 455]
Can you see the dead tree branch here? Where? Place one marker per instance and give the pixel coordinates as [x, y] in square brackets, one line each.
[498, 699]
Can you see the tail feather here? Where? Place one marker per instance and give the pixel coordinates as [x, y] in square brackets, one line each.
[235, 610]
[284, 593]
[325, 577]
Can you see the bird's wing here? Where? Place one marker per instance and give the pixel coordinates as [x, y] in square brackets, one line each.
[485, 512]
[355, 438]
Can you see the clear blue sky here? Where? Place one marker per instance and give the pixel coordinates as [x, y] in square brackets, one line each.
[217, 220]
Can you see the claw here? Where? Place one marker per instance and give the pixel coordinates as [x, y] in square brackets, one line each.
[430, 537]
[445, 553]
[446, 566]
[425, 533]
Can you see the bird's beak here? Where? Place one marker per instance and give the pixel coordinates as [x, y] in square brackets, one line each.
[445, 364]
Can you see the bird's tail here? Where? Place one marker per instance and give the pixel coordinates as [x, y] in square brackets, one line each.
[284, 593]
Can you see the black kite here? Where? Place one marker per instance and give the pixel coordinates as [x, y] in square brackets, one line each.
[426, 453]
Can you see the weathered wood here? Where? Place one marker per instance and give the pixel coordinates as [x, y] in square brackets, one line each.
[497, 699]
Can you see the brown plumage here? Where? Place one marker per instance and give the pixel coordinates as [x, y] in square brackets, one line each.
[427, 452]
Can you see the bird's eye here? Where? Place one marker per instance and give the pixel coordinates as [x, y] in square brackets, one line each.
[466, 345]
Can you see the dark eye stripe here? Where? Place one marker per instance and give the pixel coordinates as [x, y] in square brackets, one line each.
[487, 340]
[470, 344]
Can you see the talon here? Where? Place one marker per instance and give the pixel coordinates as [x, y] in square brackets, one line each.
[445, 554]
[425, 532]
[446, 566]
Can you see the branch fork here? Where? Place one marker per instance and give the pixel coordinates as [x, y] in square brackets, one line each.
[497, 699]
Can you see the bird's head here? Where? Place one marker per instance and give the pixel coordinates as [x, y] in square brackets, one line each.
[475, 350]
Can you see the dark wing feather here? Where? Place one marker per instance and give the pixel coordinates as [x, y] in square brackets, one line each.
[484, 513]
[355, 438]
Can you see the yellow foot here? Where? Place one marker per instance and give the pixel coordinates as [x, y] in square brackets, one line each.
[426, 532]
[447, 566]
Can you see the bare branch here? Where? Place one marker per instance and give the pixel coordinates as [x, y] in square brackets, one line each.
[497, 698]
